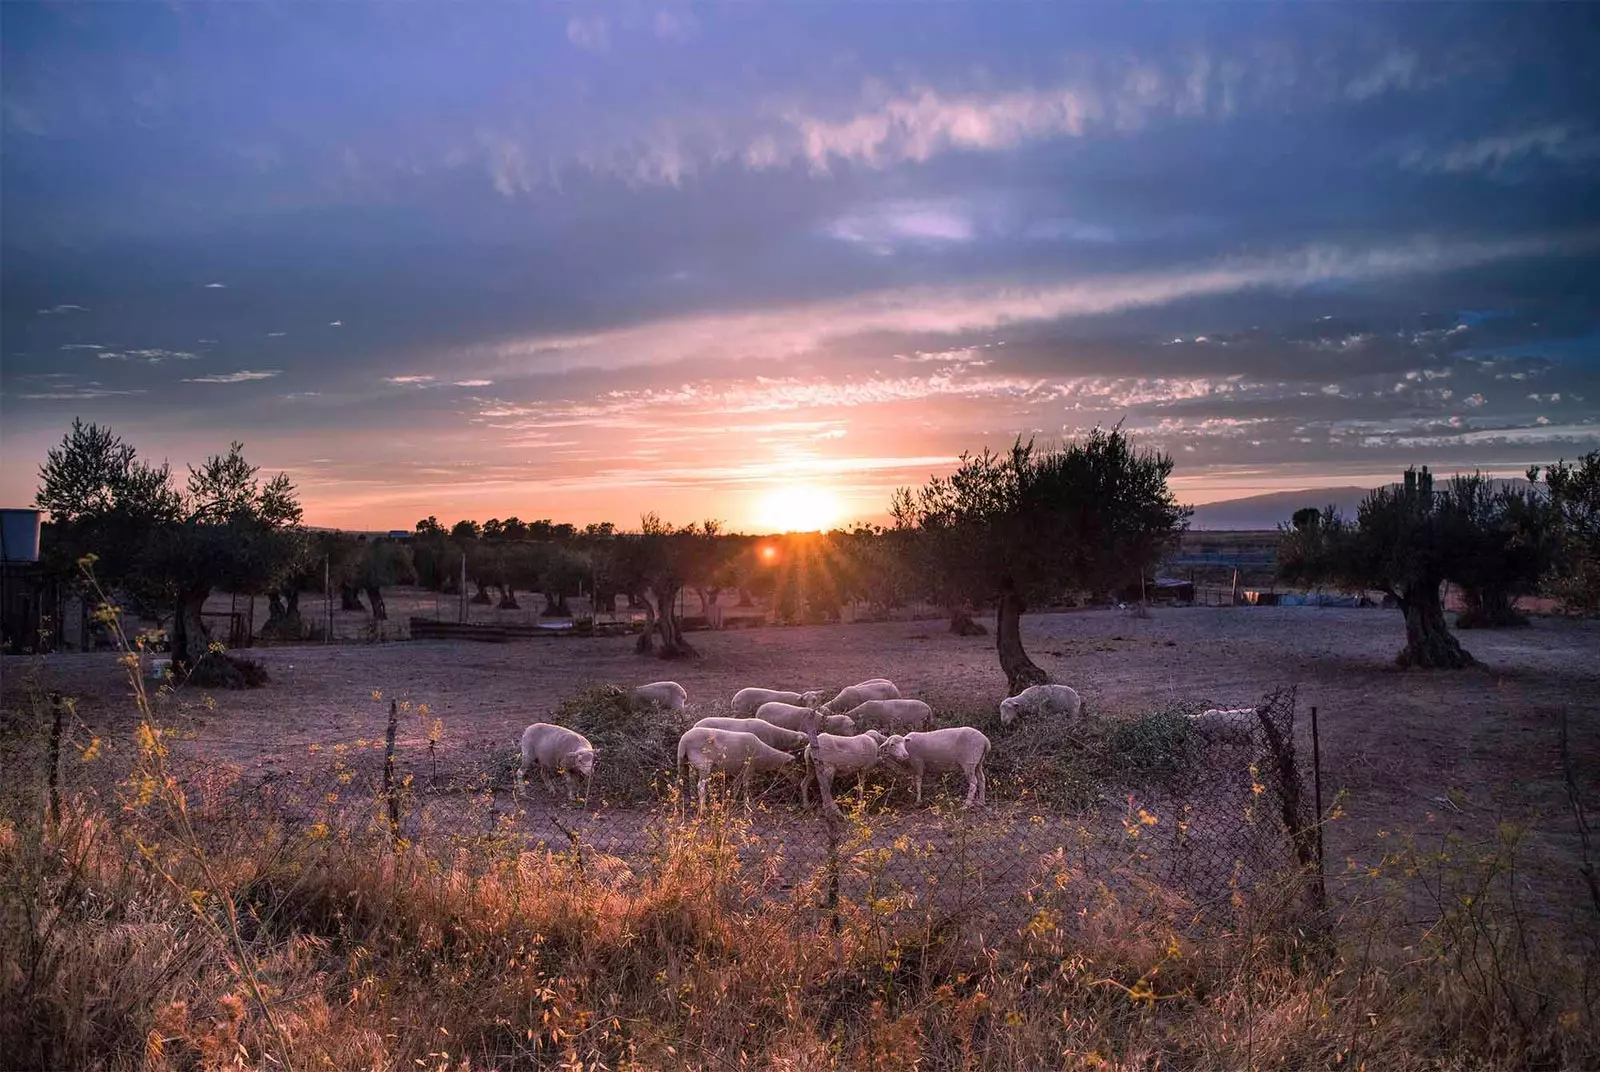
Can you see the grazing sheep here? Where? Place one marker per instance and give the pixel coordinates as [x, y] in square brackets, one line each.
[556, 748]
[1234, 724]
[829, 756]
[807, 720]
[877, 688]
[746, 701]
[729, 751]
[894, 716]
[954, 748]
[776, 736]
[667, 695]
[1041, 700]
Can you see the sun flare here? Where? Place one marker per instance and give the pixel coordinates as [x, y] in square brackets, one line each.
[798, 508]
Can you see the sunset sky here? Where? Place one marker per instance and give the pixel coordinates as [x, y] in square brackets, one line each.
[765, 262]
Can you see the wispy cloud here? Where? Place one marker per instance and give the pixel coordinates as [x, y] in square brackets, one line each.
[85, 393]
[770, 334]
[336, 323]
[474, 383]
[148, 357]
[276, 334]
[413, 381]
[83, 346]
[243, 376]
[216, 286]
[58, 310]
[882, 226]
[592, 33]
[1562, 142]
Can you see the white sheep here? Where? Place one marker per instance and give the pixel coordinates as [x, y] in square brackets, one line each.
[730, 751]
[894, 716]
[1041, 700]
[878, 688]
[830, 755]
[953, 748]
[1233, 724]
[667, 695]
[556, 748]
[747, 701]
[776, 736]
[808, 720]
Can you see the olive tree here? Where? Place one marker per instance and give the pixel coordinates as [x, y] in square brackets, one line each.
[1574, 491]
[1031, 524]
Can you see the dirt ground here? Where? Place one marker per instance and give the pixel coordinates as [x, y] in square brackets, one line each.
[1411, 750]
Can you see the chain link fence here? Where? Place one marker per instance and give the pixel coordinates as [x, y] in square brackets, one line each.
[1201, 806]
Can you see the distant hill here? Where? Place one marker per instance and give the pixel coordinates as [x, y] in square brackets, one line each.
[1257, 512]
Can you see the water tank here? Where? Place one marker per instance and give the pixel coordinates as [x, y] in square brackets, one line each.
[19, 535]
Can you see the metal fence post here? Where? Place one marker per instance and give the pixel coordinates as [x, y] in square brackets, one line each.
[1316, 779]
[389, 790]
[53, 777]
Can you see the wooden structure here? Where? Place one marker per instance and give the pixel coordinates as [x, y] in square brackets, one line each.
[28, 602]
[501, 632]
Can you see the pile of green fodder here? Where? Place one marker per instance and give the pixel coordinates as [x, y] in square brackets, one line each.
[636, 749]
[1083, 763]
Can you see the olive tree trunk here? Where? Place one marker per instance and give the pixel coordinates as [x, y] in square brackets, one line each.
[190, 639]
[375, 598]
[283, 615]
[670, 626]
[1489, 608]
[1021, 672]
[350, 597]
[508, 598]
[482, 595]
[1429, 642]
[646, 644]
[555, 606]
[961, 623]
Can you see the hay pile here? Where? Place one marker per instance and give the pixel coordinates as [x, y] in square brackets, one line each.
[636, 749]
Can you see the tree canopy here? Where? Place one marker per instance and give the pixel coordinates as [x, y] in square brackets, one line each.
[1031, 524]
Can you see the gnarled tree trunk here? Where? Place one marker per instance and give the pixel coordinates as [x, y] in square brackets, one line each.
[375, 597]
[1429, 642]
[555, 606]
[350, 597]
[508, 598]
[190, 639]
[482, 594]
[961, 623]
[283, 618]
[673, 646]
[1488, 608]
[1021, 672]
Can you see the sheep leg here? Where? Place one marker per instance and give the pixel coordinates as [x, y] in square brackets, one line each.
[918, 772]
[700, 784]
[972, 785]
[825, 789]
[983, 783]
[544, 776]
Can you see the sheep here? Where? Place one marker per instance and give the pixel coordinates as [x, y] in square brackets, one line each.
[706, 749]
[557, 748]
[878, 688]
[807, 720]
[776, 736]
[953, 748]
[1232, 724]
[667, 695]
[746, 701]
[828, 756]
[895, 716]
[1041, 700]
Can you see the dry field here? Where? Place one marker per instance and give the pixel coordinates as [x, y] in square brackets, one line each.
[1410, 750]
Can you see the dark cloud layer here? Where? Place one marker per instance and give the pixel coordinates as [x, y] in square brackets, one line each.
[557, 260]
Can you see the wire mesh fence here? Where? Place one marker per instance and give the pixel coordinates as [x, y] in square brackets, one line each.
[1206, 806]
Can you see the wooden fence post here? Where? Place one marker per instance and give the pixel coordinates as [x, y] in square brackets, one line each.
[389, 789]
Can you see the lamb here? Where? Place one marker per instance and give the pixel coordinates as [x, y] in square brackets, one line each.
[807, 720]
[706, 750]
[1233, 724]
[829, 756]
[776, 736]
[667, 695]
[878, 688]
[557, 748]
[746, 701]
[953, 748]
[1041, 700]
[895, 716]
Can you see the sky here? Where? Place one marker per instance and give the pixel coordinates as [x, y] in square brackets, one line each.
[767, 262]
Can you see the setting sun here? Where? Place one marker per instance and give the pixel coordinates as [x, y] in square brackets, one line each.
[798, 508]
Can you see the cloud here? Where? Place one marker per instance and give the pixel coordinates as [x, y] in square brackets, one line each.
[83, 346]
[787, 331]
[148, 357]
[59, 310]
[589, 32]
[1560, 142]
[216, 286]
[243, 376]
[276, 334]
[474, 383]
[915, 221]
[411, 380]
[336, 323]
